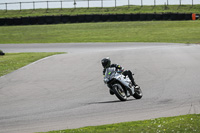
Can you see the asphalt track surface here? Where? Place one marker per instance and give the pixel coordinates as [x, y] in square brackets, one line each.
[67, 91]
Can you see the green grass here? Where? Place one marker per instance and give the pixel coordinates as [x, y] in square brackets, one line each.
[111, 10]
[146, 31]
[13, 61]
[178, 124]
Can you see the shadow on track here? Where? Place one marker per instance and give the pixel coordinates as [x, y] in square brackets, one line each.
[116, 101]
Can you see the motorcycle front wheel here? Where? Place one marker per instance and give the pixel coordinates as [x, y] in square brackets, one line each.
[119, 92]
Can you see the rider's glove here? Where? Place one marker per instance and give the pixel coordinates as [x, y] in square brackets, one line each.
[119, 67]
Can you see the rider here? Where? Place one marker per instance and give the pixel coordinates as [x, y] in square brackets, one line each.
[106, 62]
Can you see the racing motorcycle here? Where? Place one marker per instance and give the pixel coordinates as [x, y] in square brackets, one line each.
[121, 85]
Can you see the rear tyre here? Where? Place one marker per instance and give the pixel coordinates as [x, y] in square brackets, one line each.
[138, 94]
[119, 92]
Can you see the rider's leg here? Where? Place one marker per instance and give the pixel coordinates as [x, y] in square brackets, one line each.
[130, 75]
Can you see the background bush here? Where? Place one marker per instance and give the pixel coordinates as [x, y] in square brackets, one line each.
[1, 52]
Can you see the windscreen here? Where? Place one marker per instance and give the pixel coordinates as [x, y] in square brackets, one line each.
[110, 72]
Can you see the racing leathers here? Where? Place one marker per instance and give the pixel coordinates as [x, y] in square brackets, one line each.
[125, 73]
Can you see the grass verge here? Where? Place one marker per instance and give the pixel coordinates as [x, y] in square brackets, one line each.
[146, 31]
[178, 124]
[107, 10]
[13, 61]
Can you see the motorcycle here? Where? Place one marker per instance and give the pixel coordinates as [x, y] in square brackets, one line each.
[121, 85]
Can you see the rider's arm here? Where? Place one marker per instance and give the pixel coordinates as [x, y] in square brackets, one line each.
[104, 70]
[116, 66]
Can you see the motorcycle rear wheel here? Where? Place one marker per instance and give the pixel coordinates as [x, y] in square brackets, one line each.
[138, 94]
[119, 92]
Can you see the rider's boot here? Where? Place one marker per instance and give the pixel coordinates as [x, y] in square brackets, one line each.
[136, 87]
[133, 83]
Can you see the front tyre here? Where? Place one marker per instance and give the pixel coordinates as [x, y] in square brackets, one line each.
[119, 92]
[138, 93]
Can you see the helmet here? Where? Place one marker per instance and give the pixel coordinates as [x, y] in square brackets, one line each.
[106, 62]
